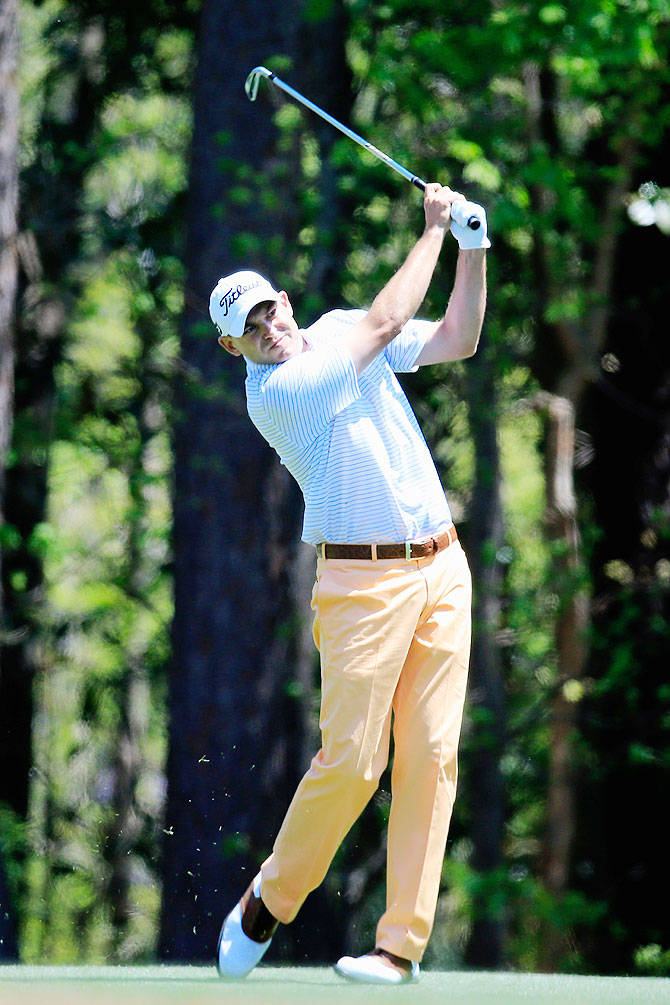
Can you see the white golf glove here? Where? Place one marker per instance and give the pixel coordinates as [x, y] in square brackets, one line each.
[461, 213]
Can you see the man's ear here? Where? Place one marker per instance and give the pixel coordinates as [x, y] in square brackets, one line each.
[283, 296]
[227, 342]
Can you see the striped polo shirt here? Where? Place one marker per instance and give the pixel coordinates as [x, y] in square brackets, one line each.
[351, 442]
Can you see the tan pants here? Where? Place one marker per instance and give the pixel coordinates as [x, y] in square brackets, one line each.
[394, 637]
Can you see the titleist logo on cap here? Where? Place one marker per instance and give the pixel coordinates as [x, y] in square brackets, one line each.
[229, 298]
[232, 298]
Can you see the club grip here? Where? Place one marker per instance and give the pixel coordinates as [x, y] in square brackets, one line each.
[467, 214]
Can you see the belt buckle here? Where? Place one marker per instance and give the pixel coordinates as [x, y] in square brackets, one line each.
[408, 551]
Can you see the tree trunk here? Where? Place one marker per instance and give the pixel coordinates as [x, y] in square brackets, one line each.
[485, 787]
[8, 280]
[566, 362]
[51, 207]
[133, 696]
[9, 196]
[571, 630]
[236, 712]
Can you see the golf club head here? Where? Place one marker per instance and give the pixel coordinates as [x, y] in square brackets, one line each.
[254, 79]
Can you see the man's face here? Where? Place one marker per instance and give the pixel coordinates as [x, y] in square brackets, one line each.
[271, 334]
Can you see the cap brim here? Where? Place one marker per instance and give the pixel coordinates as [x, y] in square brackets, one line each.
[246, 304]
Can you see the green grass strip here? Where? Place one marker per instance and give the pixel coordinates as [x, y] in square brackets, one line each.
[199, 985]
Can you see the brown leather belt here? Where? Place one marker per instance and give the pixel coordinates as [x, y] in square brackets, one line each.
[376, 552]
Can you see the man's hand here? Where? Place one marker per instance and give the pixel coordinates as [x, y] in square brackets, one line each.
[468, 238]
[437, 200]
[437, 204]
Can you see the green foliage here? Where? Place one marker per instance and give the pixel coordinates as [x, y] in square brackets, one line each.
[653, 961]
[90, 887]
[108, 610]
[516, 898]
[15, 851]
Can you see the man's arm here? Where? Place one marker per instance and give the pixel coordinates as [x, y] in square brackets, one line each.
[456, 336]
[404, 293]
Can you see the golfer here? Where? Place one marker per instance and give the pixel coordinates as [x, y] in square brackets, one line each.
[392, 595]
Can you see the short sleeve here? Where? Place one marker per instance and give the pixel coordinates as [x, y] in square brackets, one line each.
[403, 352]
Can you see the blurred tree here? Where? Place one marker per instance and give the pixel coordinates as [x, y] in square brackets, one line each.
[9, 134]
[237, 721]
[486, 694]
[93, 50]
[578, 207]
[572, 617]
[96, 794]
[626, 710]
[9, 137]
[100, 167]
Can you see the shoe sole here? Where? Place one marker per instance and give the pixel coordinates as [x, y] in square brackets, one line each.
[352, 979]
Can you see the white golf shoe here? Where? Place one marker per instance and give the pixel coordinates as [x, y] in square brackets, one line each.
[237, 954]
[378, 967]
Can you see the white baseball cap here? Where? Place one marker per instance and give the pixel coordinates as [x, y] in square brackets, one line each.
[234, 296]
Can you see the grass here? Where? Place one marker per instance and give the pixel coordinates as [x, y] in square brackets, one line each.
[183, 985]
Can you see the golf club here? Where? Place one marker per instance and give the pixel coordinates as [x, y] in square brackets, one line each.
[462, 213]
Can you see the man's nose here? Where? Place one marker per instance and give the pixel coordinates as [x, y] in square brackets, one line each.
[267, 332]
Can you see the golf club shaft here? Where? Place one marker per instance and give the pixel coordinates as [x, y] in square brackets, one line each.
[462, 212]
[251, 88]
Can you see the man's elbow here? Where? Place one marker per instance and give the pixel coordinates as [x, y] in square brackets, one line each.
[384, 326]
[469, 348]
